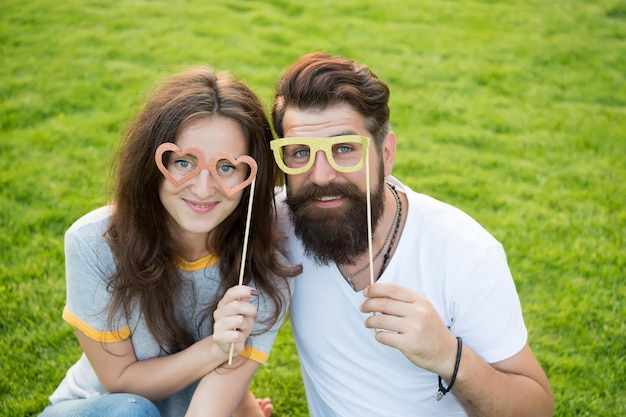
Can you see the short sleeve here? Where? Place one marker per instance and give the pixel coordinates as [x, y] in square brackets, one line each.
[487, 311]
[88, 266]
[261, 344]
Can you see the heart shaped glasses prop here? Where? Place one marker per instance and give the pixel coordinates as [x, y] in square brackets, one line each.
[195, 158]
[194, 161]
[344, 153]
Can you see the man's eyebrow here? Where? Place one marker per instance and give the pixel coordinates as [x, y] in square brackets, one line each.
[345, 133]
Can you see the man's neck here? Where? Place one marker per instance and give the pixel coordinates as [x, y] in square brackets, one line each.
[385, 240]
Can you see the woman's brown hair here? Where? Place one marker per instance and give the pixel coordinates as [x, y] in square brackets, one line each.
[145, 253]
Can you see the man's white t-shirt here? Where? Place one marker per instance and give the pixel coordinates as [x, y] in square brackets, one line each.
[443, 254]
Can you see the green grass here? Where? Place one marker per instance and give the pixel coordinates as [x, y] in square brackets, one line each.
[514, 111]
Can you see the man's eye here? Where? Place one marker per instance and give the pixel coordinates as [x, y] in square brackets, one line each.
[301, 153]
[343, 149]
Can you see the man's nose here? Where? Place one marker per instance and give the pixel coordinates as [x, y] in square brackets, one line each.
[321, 172]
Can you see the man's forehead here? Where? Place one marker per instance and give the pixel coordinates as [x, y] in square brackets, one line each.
[321, 142]
[331, 121]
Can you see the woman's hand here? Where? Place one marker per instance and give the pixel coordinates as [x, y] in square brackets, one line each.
[234, 318]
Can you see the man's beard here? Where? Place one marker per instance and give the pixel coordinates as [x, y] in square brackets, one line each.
[337, 234]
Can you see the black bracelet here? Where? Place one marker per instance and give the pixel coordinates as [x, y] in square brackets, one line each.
[443, 391]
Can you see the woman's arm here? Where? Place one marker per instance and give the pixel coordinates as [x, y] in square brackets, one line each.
[250, 406]
[220, 391]
[118, 369]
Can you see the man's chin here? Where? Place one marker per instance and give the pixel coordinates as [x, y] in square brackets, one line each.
[335, 233]
[320, 259]
[331, 243]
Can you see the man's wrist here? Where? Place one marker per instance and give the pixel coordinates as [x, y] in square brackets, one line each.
[442, 389]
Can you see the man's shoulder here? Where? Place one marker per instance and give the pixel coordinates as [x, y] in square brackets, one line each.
[428, 214]
[282, 211]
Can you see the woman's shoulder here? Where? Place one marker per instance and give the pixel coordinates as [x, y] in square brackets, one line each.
[94, 223]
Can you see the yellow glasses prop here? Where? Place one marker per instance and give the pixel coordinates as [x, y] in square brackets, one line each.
[346, 153]
[230, 173]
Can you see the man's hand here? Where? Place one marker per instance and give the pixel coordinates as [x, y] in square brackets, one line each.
[407, 321]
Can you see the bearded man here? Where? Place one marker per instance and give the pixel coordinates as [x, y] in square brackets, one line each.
[449, 337]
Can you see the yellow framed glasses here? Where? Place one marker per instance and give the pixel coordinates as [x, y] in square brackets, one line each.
[345, 153]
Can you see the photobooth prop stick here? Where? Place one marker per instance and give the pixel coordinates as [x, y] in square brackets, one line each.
[345, 153]
[369, 218]
[244, 252]
[185, 164]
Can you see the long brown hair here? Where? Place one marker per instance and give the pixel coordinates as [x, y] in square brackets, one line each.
[144, 251]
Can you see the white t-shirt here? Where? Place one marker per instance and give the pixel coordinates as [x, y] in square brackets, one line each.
[443, 254]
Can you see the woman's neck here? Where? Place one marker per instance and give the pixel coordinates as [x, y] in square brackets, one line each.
[191, 247]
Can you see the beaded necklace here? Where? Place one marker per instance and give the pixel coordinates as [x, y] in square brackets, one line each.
[389, 239]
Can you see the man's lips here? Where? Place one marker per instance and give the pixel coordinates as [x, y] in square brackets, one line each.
[329, 197]
[328, 200]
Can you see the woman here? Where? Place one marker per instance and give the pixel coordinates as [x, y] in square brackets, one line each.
[152, 279]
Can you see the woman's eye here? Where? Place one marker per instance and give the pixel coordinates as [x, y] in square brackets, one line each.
[183, 164]
[226, 169]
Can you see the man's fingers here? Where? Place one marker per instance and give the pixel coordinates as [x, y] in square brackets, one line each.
[393, 291]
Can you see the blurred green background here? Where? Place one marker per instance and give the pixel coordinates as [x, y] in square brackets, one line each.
[513, 111]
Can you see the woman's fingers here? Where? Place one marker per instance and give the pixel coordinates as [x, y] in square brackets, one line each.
[234, 318]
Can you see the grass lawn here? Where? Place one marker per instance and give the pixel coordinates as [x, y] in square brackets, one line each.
[514, 111]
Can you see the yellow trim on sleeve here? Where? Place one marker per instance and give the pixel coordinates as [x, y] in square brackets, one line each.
[97, 335]
[255, 355]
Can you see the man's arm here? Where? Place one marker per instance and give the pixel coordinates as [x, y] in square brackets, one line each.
[513, 387]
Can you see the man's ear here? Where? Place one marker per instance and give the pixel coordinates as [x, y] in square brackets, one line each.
[389, 152]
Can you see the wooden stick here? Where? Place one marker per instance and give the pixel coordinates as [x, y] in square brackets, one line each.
[369, 215]
[369, 221]
[244, 253]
